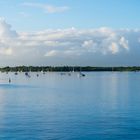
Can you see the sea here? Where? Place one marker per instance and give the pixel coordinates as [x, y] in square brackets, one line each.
[64, 106]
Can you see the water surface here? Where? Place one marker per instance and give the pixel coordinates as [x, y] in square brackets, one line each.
[100, 106]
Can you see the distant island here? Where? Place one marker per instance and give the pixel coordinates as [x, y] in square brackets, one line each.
[66, 68]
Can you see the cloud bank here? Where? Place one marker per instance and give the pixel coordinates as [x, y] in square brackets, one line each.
[100, 47]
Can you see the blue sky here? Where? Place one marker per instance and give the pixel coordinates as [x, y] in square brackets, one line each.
[80, 14]
[70, 32]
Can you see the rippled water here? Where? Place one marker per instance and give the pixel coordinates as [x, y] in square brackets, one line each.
[100, 106]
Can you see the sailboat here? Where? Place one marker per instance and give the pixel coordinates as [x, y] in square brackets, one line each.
[27, 74]
[16, 73]
[73, 69]
[80, 74]
[9, 80]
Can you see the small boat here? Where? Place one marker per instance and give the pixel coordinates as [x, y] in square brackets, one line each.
[80, 74]
[69, 74]
[83, 74]
[16, 73]
[62, 73]
[9, 80]
[73, 70]
[27, 74]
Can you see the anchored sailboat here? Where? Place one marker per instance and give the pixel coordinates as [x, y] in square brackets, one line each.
[80, 74]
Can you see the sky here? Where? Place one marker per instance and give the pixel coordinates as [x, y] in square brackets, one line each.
[70, 32]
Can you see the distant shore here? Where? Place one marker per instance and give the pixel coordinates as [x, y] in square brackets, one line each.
[66, 68]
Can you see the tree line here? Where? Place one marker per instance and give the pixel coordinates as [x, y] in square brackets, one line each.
[65, 68]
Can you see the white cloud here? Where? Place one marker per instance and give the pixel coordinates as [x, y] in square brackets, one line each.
[124, 43]
[54, 9]
[24, 14]
[100, 46]
[5, 30]
[6, 51]
[47, 7]
[51, 53]
[88, 43]
[114, 48]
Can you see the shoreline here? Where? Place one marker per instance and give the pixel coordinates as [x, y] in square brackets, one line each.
[69, 69]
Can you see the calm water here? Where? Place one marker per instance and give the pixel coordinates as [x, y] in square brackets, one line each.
[100, 106]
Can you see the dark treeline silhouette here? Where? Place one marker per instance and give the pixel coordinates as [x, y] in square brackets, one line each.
[65, 68]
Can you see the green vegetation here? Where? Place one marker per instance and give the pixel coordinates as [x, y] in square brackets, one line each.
[65, 68]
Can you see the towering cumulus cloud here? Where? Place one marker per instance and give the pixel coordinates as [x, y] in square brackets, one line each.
[103, 46]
